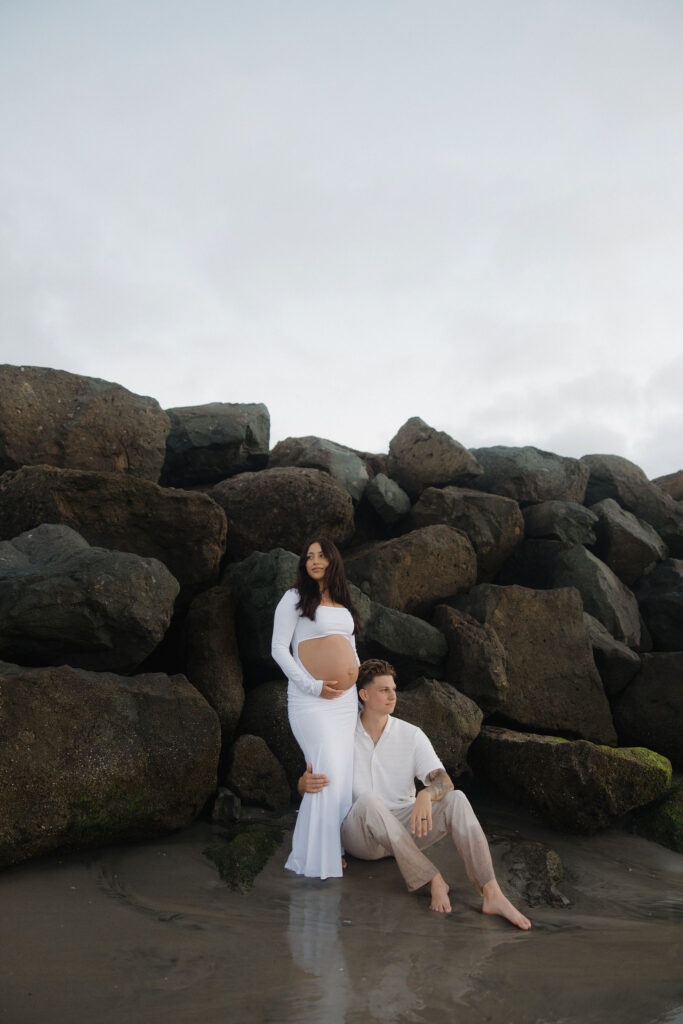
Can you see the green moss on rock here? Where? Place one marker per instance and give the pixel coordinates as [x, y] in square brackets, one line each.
[96, 821]
[244, 854]
[657, 763]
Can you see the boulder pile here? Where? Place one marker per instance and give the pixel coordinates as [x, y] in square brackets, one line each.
[531, 603]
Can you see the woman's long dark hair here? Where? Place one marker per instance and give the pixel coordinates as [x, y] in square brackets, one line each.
[335, 580]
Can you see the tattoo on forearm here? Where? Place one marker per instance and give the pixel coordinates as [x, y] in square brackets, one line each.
[439, 784]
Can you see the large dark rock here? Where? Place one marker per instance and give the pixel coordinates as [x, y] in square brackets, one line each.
[649, 711]
[603, 594]
[89, 758]
[660, 598]
[62, 601]
[257, 776]
[577, 786]
[420, 456]
[265, 715]
[616, 663]
[672, 483]
[387, 498]
[612, 476]
[410, 644]
[184, 530]
[449, 718]
[553, 684]
[343, 465]
[628, 545]
[212, 662]
[414, 572]
[530, 475]
[210, 442]
[476, 658]
[566, 521]
[494, 525]
[551, 564]
[283, 508]
[62, 419]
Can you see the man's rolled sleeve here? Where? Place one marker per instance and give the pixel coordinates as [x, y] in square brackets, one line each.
[426, 760]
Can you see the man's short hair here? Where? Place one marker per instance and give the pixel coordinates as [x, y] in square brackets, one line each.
[372, 668]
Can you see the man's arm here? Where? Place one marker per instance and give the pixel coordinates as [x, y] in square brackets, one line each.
[311, 783]
[439, 784]
[421, 816]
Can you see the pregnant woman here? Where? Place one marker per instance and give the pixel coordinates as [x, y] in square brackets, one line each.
[318, 619]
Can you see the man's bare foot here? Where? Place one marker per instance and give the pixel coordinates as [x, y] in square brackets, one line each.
[440, 901]
[497, 903]
[344, 864]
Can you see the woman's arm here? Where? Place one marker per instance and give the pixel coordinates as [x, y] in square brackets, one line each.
[284, 624]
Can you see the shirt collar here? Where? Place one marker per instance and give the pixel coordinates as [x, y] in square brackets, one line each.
[360, 730]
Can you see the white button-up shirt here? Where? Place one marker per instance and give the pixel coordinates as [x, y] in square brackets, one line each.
[389, 767]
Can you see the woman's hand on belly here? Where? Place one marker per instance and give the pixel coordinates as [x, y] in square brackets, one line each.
[332, 688]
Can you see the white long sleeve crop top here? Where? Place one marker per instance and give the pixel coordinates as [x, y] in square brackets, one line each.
[291, 627]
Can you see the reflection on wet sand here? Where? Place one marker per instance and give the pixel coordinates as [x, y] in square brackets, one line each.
[150, 935]
[319, 988]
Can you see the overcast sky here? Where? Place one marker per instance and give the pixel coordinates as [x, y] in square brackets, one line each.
[355, 212]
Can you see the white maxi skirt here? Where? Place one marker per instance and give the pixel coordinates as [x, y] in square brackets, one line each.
[324, 729]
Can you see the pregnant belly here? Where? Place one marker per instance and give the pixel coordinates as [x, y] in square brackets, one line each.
[330, 657]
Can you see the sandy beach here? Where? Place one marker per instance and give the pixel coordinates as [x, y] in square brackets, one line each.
[149, 934]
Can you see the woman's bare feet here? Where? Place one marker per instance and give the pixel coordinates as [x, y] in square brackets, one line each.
[440, 901]
[496, 903]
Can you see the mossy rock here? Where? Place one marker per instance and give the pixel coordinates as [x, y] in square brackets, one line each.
[243, 854]
[656, 764]
[663, 821]
[576, 785]
[86, 758]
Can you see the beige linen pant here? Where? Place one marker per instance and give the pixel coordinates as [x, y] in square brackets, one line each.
[370, 831]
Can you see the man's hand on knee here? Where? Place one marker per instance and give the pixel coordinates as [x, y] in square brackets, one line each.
[309, 782]
[421, 816]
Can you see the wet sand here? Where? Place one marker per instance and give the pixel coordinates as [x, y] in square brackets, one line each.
[149, 934]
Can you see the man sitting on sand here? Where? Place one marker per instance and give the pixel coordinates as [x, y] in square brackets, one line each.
[388, 819]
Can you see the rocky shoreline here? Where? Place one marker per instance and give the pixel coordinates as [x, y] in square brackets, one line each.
[147, 933]
[532, 604]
